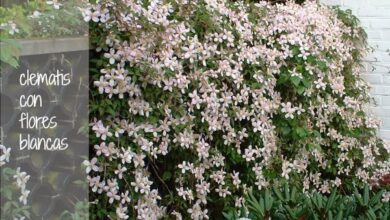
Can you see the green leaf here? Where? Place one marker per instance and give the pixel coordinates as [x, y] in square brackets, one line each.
[296, 80]
[322, 65]
[278, 193]
[301, 132]
[301, 90]
[331, 200]
[279, 216]
[358, 197]
[366, 195]
[320, 201]
[283, 78]
[286, 192]
[290, 211]
[255, 205]
[229, 216]
[293, 194]
[339, 215]
[377, 207]
[9, 52]
[306, 82]
[371, 214]
[268, 200]
[7, 206]
[330, 216]
[8, 193]
[262, 205]
[285, 130]
[167, 175]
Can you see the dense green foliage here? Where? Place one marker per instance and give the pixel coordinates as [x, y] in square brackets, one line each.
[213, 99]
[37, 20]
[290, 203]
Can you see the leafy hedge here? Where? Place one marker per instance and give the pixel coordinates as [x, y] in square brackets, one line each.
[37, 19]
[198, 103]
[290, 203]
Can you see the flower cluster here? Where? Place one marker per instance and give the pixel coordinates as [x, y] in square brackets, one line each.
[54, 3]
[43, 20]
[21, 178]
[10, 27]
[209, 99]
[5, 154]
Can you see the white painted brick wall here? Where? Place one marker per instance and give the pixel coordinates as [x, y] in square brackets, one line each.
[375, 18]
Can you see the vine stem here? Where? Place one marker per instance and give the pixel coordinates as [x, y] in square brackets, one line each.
[161, 180]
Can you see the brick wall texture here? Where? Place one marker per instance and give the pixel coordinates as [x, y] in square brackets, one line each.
[375, 18]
